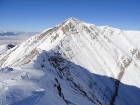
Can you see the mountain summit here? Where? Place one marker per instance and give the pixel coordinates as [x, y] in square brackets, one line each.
[74, 63]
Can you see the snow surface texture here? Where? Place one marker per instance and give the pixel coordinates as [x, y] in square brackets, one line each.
[74, 63]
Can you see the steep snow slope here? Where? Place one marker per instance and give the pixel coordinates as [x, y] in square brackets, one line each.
[97, 65]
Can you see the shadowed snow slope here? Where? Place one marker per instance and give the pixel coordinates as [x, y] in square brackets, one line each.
[74, 63]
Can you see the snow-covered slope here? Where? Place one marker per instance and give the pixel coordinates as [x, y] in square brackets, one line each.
[74, 63]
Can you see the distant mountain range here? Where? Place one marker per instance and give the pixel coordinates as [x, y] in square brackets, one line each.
[74, 63]
[10, 33]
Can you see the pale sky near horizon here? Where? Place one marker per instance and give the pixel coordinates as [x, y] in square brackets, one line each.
[38, 15]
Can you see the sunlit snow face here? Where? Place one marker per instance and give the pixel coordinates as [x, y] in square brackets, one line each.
[95, 64]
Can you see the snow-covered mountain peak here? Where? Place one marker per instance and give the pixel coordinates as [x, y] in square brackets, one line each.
[47, 40]
[76, 58]
[72, 19]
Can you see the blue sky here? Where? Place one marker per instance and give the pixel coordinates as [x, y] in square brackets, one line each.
[38, 15]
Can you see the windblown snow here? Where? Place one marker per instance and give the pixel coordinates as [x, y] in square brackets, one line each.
[74, 63]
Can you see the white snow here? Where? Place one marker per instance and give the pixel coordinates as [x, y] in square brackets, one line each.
[74, 63]
[3, 48]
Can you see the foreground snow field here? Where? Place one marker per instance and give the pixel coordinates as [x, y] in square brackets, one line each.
[74, 63]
